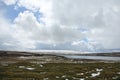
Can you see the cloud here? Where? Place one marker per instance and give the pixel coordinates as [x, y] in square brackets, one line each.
[42, 33]
[6, 38]
[12, 37]
[9, 2]
[100, 17]
[65, 23]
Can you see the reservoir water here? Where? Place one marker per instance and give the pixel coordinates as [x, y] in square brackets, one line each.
[92, 57]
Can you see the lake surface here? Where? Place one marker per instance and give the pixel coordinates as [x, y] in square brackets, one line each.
[92, 57]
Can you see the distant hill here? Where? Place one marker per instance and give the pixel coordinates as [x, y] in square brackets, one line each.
[25, 53]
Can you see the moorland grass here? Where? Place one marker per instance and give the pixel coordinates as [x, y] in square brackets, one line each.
[59, 71]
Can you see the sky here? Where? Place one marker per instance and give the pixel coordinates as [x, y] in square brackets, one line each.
[79, 25]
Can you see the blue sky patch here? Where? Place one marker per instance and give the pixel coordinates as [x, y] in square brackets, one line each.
[38, 15]
[13, 13]
[85, 40]
[10, 12]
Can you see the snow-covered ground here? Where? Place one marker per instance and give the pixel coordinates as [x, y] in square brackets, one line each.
[28, 68]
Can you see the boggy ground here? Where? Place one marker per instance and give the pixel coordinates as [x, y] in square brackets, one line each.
[25, 70]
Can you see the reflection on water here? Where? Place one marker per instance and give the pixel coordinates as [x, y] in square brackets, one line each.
[92, 57]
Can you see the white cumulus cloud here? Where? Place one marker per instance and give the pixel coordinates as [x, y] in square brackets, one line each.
[9, 2]
[67, 21]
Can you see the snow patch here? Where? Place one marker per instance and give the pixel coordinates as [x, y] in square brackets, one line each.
[63, 76]
[79, 74]
[115, 77]
[82, 79]
[45, 78]
[99, 69]
[41, 65]
[118, 73]
[30, 68]
[95, 74]
[57, 76]
[21, 66]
